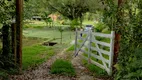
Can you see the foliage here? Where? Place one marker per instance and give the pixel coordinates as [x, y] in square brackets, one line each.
[62, 67]
[67, 22]
[73, 9]
[34, 8]
[7, 11]
[100, 27]
[3, 75]
[110, 13]
[129, 59]
[129, 67]
[47, 19]
[74, 24]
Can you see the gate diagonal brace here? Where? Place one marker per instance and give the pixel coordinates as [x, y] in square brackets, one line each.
[100, 53]
[82, 45]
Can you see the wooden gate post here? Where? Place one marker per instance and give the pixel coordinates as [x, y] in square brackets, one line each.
[111, 52]
[19, 25]
[117, 35]
[89, 46]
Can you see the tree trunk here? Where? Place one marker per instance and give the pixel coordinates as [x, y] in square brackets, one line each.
[6, 41]
[116, 47]
[117, 35]
[7, 58]
[19, 24]
[13, 38]
[81, 21]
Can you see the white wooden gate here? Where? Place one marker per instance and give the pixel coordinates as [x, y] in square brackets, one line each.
[95, 50]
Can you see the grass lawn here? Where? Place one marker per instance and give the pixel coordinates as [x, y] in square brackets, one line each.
[51, 34]
[34, 24]
[34, 53]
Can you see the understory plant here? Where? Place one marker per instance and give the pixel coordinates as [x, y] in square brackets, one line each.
[129, 65]
[126, 19]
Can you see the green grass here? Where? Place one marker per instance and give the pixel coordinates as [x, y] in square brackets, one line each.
[62, 67]
[94, 69]
[35, 24]
[36, 54]
[71, 48]
[33, 53]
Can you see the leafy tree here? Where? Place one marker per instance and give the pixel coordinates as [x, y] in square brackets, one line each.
[47, 19]
[34, 8]
[7, 14]
[73, 9]
[128, 22]
[61, 29]
[7, 11]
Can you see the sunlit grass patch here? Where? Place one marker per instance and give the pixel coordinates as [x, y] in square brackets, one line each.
[62, 67]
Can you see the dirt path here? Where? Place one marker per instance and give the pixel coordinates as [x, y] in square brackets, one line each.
[43, 71]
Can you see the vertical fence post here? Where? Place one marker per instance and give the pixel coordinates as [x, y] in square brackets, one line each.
[89, 46]
[111, 52]
[75, 46]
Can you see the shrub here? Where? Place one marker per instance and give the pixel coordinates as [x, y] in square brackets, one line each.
[99, 27]
[129, 67]
[62, 67]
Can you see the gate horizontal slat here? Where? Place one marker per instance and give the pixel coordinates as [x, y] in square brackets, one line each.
[83, 32]
[84, 51]
[98, 57]
[100, 65]
[101, 50]
[102, 35]
[101, 43]
[81, 38]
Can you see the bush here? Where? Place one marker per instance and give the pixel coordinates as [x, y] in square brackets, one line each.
[62, 67]
[3, 75]
[67, 22]
[129, 67]
[99, 27]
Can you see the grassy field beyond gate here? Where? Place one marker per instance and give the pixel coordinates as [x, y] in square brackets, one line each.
[34, 52]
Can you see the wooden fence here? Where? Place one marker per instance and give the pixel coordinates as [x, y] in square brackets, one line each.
[97, 48]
